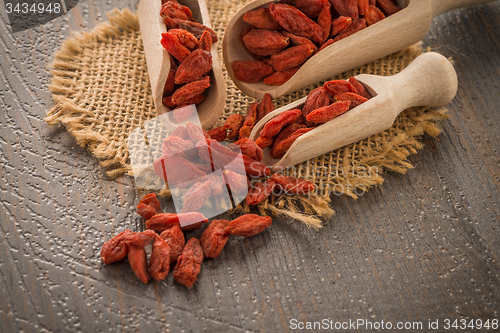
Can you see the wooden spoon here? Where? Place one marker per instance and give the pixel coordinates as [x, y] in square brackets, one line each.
[158, 59]
[430, 80]
[390, 35]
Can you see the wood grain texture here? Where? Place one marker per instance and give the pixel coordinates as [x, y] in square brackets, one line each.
[425, 245]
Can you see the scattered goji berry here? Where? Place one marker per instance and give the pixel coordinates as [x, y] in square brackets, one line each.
[266, 106]
[115, 249]
[250, 121]
[248, 147]
[218, 133]
[248, 225]
[163, 221]
[138, 261]
[251, 71]
[196, 196]
[293, 185]
[259, 192]
[149, 200]
[234, 123]
[214, 238]
[189, 263]
[174, 237]
[327, 113]
[159, 261]
[140, 239]
[255, 168]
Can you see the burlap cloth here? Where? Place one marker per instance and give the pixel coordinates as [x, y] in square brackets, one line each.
[101, 91]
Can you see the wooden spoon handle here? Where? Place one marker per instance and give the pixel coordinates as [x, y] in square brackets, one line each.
[441, 6]
[430, 80]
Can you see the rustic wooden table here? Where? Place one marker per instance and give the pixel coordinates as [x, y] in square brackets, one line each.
[420, 248]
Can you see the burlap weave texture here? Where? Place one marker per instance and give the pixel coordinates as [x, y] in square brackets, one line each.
[101, 91]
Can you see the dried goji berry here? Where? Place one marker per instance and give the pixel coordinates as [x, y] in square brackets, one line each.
[182, 173]
[140, 239]
[196, 133]
[287, 132]
[280, 148]
[261, 18]
[189, 263]
[195, 28]
[373, 15]
[297, 40]
[190, 90]
[145, 211]
[205, 42]
[259, 192]
[163, 221]
[389, 7]
[266, 106]
[242, 35]
[291, 57]
[316, 99]
[255, 168]
[218, 133]
[325, 44]
[360, 88]
[176, 10]
[248, 147]
[293, 185]
[138, 261]
[174, 237]
[327, 113]
[177, 146]
[169, 87]
[197, 64]
[335, 87]
[214, 238]
[236, 182]
[264, 141]
[149, 200]
[279, 78]
[185, 38]
[373, 2]
[273, 126]
[356, 26]
[234, 123]
[115, 249]
[363, 6]
[251, 71]
[296, 22]
[173, 45]
[196, 196]
[248, 225]
[182, 113]
[340, 24]
[346, 8]
[311, 8]
[159, 261]
[250, 121]
[265, 42]
[355, 99]
[325, 21]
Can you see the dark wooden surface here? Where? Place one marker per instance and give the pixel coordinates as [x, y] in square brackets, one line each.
[423, 246]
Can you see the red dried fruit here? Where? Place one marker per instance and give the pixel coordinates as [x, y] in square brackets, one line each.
[311, 8]
[185, 38]
[176, 146]
[293, 185]
[190, 90]
[176, 10]
[196, 196]
[236, 182]
[250, 121]
[360, 88]
[251, 71]
[169, 87]
[218, 133]
[373, 2]
[274, 126]
[279, 78]
[173, 45]
[254, 168]
[248, 147]
[373, 15]
[327, 43]
[325, 21]
[248, 225]
[183, 112]
[115, 249]
[296, 22]
[287, 132]
[174, 237]
[316, 99]
[355, 99]
[291, 57]
[327, 113]
[234, 123]
[139, 239]
[196, 133]
[195, 28]
[363, 6]
[264, 141]
[280, 148]
[149, 200]
[297, 40]
[261, 18]
[266, 106]
[205, 42]
[346, 8]
[389, 7]
[168, 102]
[265, 42]
[197, 64]
[181, 172]
[138, 261]
[163, 221]
[340, 24]
[335, 87]
[259, 192]
[356, 26]
[159, 261]
[242, 35]
[214, 238]
[189, 263]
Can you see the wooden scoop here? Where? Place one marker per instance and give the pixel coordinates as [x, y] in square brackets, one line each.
[390, 35]
[430, 80]
[158, 59]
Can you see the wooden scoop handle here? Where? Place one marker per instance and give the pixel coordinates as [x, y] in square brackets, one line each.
[441, 6]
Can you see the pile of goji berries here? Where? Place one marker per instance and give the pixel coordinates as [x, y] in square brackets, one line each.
[189, 44]
[284, 35]
[170, 245]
